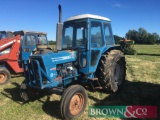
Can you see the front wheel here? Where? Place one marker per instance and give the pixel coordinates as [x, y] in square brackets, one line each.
[73, 102]
[5, 76]
[27, 93]
[24, 92]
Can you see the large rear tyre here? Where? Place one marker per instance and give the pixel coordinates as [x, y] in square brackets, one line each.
[111, 71]
[73, 102]
[5, 76]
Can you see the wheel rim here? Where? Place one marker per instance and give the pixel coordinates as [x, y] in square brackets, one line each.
[76, 104]
[117, 74]
[2, 77]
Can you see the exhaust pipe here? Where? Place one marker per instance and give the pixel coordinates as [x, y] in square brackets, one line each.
[60, 13]
[59, 30]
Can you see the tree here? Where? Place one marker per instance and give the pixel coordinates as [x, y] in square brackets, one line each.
[117, 38]
[142, 35]
[52, 42]
[133, 35]
[156, 36]
[150, 39]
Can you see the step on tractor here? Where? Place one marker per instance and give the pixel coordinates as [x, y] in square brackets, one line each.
[86, 58]
[15, 49]
[6, 34]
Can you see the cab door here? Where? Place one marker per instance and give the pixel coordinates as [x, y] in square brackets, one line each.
[28, 45]
[97, 44]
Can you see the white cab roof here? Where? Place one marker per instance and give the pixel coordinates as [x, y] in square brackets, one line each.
[87, 16]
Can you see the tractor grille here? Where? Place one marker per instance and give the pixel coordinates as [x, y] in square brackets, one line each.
[40, 62]
[35, 74]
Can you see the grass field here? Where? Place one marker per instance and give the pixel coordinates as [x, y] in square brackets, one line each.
[142, 87]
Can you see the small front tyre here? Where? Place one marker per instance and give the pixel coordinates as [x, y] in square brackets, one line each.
[73, 102]
[27, 93]
[24, 93]
[5, 76]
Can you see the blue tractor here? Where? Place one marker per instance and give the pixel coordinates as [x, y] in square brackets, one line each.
[86, 57]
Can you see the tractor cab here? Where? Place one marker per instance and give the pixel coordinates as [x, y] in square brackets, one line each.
[6, 34]
[29, 40]
[89, 35]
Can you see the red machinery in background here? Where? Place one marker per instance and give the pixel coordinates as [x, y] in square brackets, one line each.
[16, 49]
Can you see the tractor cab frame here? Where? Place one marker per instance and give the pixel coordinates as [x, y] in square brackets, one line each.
[6, 34]
[90, 35]
[29, 40]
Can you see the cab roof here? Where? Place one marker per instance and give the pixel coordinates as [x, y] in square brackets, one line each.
[5, 31]
[26, 31]
[83, 16]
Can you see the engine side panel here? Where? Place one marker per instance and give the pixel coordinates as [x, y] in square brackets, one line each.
[52, 69]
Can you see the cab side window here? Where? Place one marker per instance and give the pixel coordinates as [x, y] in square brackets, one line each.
[108, 34]
[30, 40]
[96, 34]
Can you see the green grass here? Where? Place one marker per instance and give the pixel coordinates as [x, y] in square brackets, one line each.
[142, 87]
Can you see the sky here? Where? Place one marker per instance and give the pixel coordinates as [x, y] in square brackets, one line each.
[42, 15]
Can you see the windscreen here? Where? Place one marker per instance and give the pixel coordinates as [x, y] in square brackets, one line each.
[75, 35]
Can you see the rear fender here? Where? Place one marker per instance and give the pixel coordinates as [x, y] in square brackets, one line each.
[113, 48]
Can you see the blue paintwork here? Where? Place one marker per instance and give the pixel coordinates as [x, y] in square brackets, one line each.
[91, 69]
[63, 57]
[51, 60]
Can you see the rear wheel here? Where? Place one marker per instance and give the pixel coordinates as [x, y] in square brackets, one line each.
[112, 70]
[73, 102]
[5, 76]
